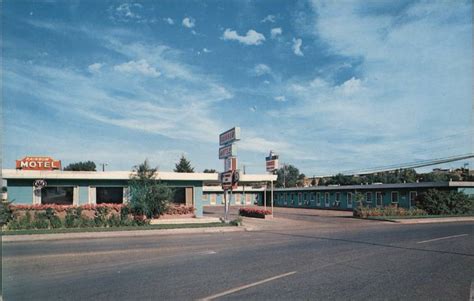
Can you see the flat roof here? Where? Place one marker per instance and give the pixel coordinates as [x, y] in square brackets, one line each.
[383, 186]
[123, 175]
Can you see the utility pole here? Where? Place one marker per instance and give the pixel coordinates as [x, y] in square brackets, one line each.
[103, 166]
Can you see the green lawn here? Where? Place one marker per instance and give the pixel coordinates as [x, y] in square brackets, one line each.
[111, 229]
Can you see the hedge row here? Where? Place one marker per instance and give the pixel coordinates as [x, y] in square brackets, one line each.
[252, 212]
[16, 217]
[365, 212]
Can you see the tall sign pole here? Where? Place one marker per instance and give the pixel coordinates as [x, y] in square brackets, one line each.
[228, 152]
[271, 163]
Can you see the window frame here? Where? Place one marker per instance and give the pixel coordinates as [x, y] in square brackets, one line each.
[398, 197]
[378, 193]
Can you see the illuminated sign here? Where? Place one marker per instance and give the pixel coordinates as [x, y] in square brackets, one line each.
[38, 163]
[271, 162]
[229, 136]
[227, 151]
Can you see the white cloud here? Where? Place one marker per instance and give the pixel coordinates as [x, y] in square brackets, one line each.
[266, 82]
[280, 98]
[95, 68]
[261, 69]
[275, 32]
[126, 12]
[169, 21]
[205, 50]
[189, 22]
[138, 67]
[253, 109]
[251, 37]
[269, 18]
[297, 47]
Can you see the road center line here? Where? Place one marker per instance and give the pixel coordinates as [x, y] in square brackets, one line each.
[243, 287]
[441, 238]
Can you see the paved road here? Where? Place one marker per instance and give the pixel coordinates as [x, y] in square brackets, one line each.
[318, 257]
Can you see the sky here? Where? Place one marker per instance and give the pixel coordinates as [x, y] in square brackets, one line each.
[330, 86]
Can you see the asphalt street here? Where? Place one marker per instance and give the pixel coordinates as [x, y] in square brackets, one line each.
[299, 255]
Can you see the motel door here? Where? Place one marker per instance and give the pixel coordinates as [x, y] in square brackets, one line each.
[189, 196]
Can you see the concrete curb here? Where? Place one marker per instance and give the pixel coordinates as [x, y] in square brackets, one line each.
[110, 234]
[434, 220]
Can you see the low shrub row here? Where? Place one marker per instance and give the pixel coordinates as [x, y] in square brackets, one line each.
[365, 212]
[19, 217]
[253, 212]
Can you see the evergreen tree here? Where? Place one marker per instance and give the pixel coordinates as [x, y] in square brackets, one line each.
[183, 165]
[81, 166]
[209, 171]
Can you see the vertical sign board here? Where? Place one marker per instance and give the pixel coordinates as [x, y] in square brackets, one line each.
[230, 163]
[229, 136]
[227, 151]
[271, 162]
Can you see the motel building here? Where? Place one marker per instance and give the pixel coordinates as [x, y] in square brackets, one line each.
[39, 180]
[338, 197]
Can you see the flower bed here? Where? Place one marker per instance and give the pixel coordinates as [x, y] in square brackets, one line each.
[252, 212]
[178, 211]
[391, 211]
[84, 216]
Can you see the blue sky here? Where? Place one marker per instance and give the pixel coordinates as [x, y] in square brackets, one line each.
[329, 85]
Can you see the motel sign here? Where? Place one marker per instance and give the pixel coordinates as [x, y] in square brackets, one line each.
[38, 163]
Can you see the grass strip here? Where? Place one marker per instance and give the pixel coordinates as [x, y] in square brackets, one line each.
[391, 218]
[113, 229]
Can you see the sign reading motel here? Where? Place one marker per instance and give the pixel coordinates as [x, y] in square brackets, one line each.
[229, 136]
[227, 151]
[38, 163]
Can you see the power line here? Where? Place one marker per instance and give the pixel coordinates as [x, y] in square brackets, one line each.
[416, 164]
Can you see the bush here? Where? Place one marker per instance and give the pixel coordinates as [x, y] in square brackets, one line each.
[237, 222]
[365, 212]
[179, 210]
[251, 212]
[41, 221]
[6, 213]
[445, 203]
[73, 217]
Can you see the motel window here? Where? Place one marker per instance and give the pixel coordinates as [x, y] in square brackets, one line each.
[205, 196]
[238, 198]
[286, 199]
[349, 199]
[299, 198]
[318, 199]
[413, 195]
[326, 199]
[312, 197]
[60, 195]
[109, 195]
[394, 197]
[338, 197]
[379, 198]
[213, 198]
[248, 198]
[368, 197]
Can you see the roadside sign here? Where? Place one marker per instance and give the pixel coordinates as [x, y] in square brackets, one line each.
[229, 136]
[226, 177]
[271, 165]
[271, 162]
[227, 151]
[230, 163]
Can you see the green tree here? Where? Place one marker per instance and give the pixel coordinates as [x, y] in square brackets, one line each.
[209, 171]
[442, 202]
[183, 165]
[81, 166]
[287, 176]
[148, 196]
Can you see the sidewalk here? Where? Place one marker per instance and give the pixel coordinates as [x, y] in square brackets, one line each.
[433, 220]
[124, 233]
